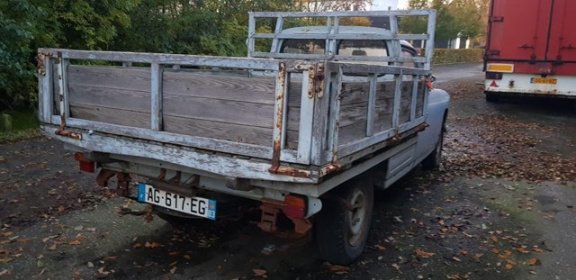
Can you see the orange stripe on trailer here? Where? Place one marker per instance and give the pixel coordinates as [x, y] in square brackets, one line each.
[499, 67]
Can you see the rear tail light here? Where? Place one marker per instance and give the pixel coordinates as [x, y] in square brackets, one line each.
[295, 206]
[85, 164]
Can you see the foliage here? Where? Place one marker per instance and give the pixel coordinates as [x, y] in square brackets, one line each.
[211, 27]
[449, 56]
[331, 5]
[455, 18]
[17, 32]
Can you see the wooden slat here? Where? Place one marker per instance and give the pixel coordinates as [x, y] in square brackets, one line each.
[111, 115]
[88, 95]
[218, 130]
[201, 84]
[129, 78]
[235, 112]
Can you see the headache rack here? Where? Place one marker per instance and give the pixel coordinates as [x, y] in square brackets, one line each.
[332, 20]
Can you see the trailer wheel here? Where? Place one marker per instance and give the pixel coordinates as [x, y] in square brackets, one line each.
[342, 226]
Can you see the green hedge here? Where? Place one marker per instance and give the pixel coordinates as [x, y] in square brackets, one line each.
[449, 56]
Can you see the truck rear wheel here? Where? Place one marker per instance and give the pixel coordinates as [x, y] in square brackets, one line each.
[432, 161]
[343, 224]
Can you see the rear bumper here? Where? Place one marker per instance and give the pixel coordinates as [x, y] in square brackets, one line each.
[523, 84]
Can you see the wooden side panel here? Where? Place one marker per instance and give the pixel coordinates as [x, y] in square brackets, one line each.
[116, 95]
[212, 105]
[354, 110]
[420, 100]
[234, 108]
[406, 94]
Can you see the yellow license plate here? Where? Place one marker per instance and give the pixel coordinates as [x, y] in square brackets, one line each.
[548, 81]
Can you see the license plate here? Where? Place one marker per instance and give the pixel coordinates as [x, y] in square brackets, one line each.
[548, 81]
[197, 206]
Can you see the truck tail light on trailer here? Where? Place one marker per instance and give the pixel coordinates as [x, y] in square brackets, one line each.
[85, 164]
[295, 206]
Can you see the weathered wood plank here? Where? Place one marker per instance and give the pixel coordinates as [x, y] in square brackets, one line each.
[129, 78]
[218, 130]
[204, 84]
[88, 95]
[111, 115]
[235, 112]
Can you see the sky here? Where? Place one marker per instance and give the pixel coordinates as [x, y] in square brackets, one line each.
[384, 4]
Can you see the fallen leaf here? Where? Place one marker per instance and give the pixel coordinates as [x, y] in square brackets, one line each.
[137, 245]
[380, 247]
[260, 273]
[523, 250]
[4, 272]
[74, 242]
[534, 262]
[53, 247]
[111, 258]
[505, 254]
[173, 253]
[49, 237]
[173, 270]
[338, 269]
[103, 272]
[423, 254]
[457, 259]
[152, 245]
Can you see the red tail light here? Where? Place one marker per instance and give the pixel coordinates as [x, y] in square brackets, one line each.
[295, 206]
[85, 164]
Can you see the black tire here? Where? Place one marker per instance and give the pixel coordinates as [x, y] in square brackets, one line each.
[491, 97]
[339, 240]
[432, 161]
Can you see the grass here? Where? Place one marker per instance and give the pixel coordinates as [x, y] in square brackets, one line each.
[24, 125]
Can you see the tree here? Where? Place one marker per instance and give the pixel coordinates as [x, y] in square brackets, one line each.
[332, 5]
[454, 18]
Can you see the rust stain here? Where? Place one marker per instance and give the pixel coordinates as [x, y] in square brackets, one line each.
[40, 67]
[279, 125]
[68, 133]
[290, 171]
[331, 168]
